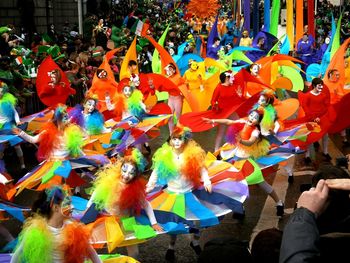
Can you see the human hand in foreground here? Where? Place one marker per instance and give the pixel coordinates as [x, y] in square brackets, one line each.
[341, 184]
[315, 199]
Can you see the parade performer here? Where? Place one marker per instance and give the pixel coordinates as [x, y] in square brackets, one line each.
[190, 196]
[60, 143]
[305, 50]
[9, 118]
[175, 100]
[50, 235]
[246, 145]
[88, 117]
[120, 189]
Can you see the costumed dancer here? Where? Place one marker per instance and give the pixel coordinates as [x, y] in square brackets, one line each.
[305, 50]
[315, 104]
[248, 146]
[225, 95]
[59, 141]
[9, 118]
[88, 117]
[50, 235]
[120, 189]
[190, 196]
[175, 100]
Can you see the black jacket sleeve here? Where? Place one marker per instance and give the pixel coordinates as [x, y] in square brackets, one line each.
[300, 241]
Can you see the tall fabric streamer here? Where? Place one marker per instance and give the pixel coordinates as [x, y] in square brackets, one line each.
[256, 17]
[276, 6]
[290, 24]
[299, 30]
[267, 5]
[246, 12]
[336, 39]
[311, 16]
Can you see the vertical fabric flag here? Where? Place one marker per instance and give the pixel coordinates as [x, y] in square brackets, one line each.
[336, 38]
[290, 23]
[156, 67]
[299, 27]
[246, 12]
[311, 16]
[256, 17]
[267, 5]
[276, 6]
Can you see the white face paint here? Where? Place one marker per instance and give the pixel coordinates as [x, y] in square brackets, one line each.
[253, 118]
[1, 92]
[327, 40]
[127, 91]
[177, 143]
[65, 118]
[319, 88]
[89, 106]
[169, 71]
[255, 70]
[128, 172]
[171, 52]
[262, 100]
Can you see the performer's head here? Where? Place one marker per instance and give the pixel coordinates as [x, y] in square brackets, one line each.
[227, 77]
[333, 75]
[132, 66]
[55, 76]
[128, 90]
[216, 41]
[170, 69]
[60, 116]
[254, 69]
[194, 65]
[245, 34]
[134, 163]
[305, 37]
[135, 80]
[101, 73]
[255, 116]
[89, 105]
[179, 137]
[317, 84]
[267, 97]
[54, 202]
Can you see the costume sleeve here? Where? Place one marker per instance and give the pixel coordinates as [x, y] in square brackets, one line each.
[152, 181]
[149, 211]
[205, 177]
[255, 133]
[30, 139]
[300, 238]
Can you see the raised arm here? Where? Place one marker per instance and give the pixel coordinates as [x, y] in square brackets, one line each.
[152, 181]
[221, 121]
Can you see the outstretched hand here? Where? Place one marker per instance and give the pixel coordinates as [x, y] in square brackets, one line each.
[208, 188]
[157, 228]
[16, 131]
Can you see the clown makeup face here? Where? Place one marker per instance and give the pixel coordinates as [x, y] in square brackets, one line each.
[54, 76]
[89, 106]
[135, 80]
[127, 91]
[177, 143]
[327, 40]
[65, 118]
[102, 74]
[253, 118]
[255, 69]
[128, 172]
[262, 100]
[319, 88]
[169, 70]
[66, 207]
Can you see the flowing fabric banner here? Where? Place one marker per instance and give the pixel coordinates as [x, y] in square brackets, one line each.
[267, 5]
[299, 27]
[246, 12]
[275, 15]
[290, 23]
[311, 16]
